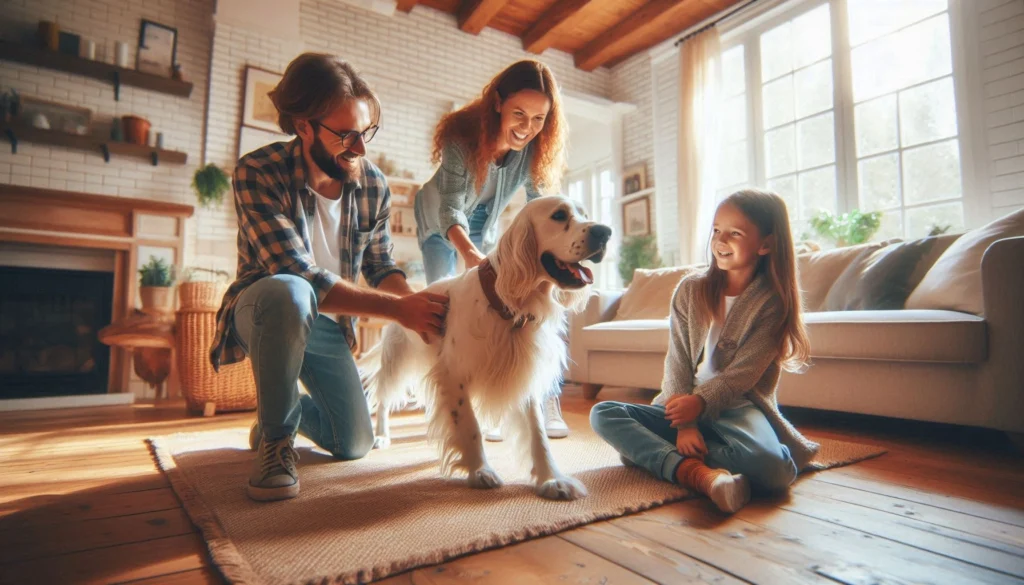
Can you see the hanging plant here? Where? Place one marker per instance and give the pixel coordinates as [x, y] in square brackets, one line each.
[210, 184]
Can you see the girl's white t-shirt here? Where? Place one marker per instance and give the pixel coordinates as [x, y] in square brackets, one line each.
[705, 370]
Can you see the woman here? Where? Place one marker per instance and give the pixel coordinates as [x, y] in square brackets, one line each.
[512, 136]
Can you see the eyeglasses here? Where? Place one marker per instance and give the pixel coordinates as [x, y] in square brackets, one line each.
[347, 138]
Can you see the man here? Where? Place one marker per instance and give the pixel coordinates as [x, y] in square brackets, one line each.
[313, 215]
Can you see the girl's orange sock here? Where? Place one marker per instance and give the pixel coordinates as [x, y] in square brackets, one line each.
[729, 492]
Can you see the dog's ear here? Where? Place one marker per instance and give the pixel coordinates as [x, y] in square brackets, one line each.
[518, 262]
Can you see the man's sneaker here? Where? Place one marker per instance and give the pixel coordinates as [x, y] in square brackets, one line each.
[274, 476]
[554, 425]
[254, 436]
[494, 435]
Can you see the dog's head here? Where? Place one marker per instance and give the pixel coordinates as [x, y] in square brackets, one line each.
[547, 242]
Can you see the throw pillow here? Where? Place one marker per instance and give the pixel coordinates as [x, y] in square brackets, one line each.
[954, 282]
[817, 272]
[881, 279]
[649, 295]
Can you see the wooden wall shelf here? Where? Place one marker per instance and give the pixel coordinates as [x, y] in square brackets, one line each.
[18, 133]
[118, 76]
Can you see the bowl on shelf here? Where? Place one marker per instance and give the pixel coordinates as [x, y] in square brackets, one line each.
[136, 130]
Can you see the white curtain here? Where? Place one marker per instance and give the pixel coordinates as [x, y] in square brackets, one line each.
[699, 62]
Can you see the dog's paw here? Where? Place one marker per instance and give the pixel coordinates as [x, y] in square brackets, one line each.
[380, 442]
[484, 479]
[561, 488]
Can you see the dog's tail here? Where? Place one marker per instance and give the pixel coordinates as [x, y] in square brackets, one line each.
[369, 373]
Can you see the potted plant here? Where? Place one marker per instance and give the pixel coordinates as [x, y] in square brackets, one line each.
[210, 184]
[637, 252]
[155, 280]
[847, 229]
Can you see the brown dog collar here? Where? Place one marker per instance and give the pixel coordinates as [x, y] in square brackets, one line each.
[488, 278]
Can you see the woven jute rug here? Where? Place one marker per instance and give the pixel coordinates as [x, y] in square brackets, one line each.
[392, 511]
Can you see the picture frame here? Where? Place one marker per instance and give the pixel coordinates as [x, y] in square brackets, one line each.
[158, 48]
[258, 110]
[636, 217]
[250, 139]
[65, 118]
[634, 179]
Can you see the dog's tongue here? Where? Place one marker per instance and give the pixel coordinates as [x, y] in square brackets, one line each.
[582, 272]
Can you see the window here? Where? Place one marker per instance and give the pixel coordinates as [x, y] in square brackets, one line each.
[847, 104]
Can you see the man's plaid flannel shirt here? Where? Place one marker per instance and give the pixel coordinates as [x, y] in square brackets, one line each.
[274, 205]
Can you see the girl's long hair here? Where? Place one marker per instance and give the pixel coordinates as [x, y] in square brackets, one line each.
[767, 211]
[476, 126]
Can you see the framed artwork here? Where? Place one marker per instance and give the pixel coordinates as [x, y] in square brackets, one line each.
[636, 217]
[250, 139]
[634, 179]
[158, 48]
[257, 109]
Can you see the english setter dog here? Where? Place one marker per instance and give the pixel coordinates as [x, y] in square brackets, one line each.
[503, 349]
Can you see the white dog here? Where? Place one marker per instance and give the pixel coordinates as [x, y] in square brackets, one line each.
[503, 348]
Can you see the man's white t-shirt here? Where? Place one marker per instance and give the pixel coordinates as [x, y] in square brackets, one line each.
[705, 370]
[324, 235]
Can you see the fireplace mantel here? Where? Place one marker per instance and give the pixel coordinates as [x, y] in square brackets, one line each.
[46, 217]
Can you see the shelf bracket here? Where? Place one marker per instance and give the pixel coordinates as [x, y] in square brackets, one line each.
[156, 158]
[117, 86]
[13, 139]
[106, 153]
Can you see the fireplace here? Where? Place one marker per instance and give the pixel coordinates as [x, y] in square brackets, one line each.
[49, 320]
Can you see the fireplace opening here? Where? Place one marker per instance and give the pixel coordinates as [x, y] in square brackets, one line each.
[49, 321]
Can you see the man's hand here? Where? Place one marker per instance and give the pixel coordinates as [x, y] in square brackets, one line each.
[422, 312]
[684, 409]
[690, 443]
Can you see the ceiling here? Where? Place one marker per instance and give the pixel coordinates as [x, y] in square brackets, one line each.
[597, 33]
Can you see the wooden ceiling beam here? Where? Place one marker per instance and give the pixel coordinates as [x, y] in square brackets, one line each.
[652, 23]
[406, 5]
[541, 33]
[476, 14]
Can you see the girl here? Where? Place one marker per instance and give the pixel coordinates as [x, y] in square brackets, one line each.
[512, 136]
[715, 427]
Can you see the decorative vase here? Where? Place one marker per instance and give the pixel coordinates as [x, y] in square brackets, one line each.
[156, 300]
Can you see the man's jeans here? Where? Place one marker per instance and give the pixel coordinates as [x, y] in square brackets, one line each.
[740, 441]
[277, 322]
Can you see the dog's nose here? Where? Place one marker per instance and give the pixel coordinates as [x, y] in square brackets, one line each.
[598, 236]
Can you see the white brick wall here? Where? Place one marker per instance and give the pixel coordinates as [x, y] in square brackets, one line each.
[665, 108]
[631, 83]
[180, 119]
[1000, 30]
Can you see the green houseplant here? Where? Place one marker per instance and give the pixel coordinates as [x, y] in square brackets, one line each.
[155, 280]
[210, 184]
[847, 229]
[637, 252]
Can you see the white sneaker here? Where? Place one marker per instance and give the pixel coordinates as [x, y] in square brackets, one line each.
[554, 425]
[494, 435]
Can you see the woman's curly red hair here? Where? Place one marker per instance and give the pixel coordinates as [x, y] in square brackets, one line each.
[476, 126]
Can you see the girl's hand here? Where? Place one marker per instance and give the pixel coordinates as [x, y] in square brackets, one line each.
[683, 410]
[473, 258]
[690, 443]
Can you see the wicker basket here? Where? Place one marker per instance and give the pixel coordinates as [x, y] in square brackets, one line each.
[232, 389]
[200, 295]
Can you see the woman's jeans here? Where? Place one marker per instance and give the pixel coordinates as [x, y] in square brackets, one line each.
[439, 255]
[740, 441]
[277, 322]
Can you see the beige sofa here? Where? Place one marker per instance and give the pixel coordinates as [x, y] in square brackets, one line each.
[926, 364]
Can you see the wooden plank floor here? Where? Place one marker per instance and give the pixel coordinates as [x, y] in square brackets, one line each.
[81, 501]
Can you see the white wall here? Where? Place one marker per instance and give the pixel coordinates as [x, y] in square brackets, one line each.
[589, 142]
[631, 83]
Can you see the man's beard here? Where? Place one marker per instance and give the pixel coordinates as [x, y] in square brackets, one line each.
[327, 163]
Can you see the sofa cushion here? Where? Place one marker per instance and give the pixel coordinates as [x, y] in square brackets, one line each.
[882, 279]
[818, 271]
[954, 282]
[635, 335]
[649, 295]
[916, 336]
